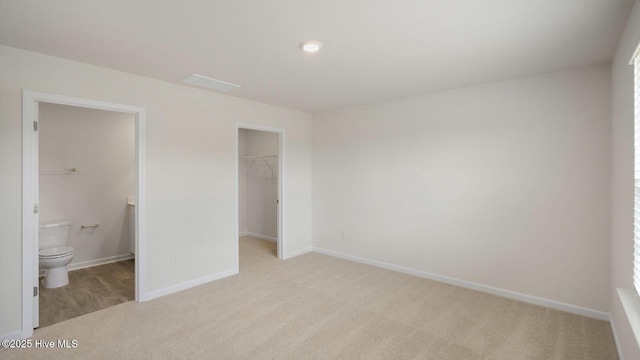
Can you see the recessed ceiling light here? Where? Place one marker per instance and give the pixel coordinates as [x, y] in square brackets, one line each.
[311, 46]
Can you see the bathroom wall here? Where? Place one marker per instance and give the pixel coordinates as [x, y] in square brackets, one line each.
[260, 185]
[101, 146]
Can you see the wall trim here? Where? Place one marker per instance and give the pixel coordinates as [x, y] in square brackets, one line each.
[574, 309]
[15, 335]
[263, 237]
[189, 284]
[282, 214]
[243, 233]
[98, 262]
[631, 306]
[30, 185]
[297, 253]
[615, 337]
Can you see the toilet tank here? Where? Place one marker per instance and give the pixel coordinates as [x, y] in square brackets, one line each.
[54, 233]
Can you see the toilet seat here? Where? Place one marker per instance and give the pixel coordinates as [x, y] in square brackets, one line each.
[56, 252]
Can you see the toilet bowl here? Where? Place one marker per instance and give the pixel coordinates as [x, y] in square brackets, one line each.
[54, 255]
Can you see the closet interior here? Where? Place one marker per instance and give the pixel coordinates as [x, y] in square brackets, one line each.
[258, 153]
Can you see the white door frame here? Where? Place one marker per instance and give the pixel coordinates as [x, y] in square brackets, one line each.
[30, 182]
[281, 186]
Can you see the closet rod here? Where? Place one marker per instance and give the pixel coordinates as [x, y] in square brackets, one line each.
[70, 169]
[262, 157]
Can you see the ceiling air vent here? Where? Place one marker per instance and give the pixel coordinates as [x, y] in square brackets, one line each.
[209, 83]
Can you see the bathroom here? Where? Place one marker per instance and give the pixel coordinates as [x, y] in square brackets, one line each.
[86, 210]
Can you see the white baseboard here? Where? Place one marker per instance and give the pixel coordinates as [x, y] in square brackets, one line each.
[96, 262]
[260, 236]
[188, 284]
[243, 233]
[574, 309]
[615, 338]
[15, 335]
[296, 253]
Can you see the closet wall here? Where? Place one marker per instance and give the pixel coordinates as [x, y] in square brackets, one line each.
[258, 184]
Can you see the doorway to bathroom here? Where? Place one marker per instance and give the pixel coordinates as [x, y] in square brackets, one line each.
[259, 200]
[83, 207]
[86, 206]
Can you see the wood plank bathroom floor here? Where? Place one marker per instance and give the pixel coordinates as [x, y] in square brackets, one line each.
[89, 290]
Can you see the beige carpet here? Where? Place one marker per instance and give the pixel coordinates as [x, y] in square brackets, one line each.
[317, 307]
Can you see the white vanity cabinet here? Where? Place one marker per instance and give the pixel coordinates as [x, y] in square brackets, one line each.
[132, 230]
[132, 224]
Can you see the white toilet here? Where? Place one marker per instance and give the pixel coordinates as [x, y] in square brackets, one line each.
[54, 254]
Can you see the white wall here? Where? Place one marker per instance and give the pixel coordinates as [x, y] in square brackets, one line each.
[622, 180]
[261, 143]
[190, 168]
[505, 184]
[101, 145]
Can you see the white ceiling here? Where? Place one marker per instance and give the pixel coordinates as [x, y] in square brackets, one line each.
[373, 49]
